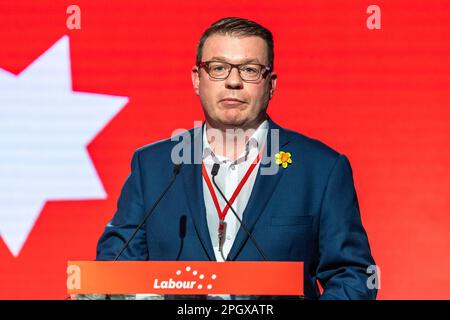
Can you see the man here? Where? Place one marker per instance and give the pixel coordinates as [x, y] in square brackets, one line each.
[305, 210]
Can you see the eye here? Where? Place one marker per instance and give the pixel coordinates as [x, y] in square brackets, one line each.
[250, 69]
[217, 67]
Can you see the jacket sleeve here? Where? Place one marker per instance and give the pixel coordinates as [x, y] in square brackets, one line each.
[344, 252]
[129, 213]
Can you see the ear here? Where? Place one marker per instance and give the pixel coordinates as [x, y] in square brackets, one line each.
[273, 84]
[195, 75]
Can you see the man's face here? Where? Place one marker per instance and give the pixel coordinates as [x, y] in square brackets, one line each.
[233, 103]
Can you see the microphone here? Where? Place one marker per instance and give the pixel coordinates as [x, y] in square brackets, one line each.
[176, 170]
[182, 234]
[214, 172]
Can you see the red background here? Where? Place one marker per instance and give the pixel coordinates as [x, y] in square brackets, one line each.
[379, 96]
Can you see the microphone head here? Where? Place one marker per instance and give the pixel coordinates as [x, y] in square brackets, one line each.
[215, 169]
[176, 168]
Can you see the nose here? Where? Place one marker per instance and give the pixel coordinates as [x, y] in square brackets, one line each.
[234, 80]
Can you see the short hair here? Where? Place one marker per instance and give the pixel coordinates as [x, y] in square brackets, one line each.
[237, 27]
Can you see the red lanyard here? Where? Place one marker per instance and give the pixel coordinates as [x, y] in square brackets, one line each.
[220, 213]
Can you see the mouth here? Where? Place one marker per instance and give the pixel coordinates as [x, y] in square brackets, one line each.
[231, 101]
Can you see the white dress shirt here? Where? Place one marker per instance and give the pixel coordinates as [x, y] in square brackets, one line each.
[228, 178]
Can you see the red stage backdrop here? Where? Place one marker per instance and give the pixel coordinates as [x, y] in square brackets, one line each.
[75, 104]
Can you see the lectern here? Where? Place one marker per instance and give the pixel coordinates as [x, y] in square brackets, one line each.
[184, 278]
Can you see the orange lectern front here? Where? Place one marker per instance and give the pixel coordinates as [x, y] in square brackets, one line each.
[185, 277]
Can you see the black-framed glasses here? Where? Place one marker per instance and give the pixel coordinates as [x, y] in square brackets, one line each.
[249, 72]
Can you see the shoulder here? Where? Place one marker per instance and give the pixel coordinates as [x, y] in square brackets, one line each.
[318, 158]
[161, 151]
[311, 146]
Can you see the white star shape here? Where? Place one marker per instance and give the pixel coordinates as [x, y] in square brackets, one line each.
[45, 128]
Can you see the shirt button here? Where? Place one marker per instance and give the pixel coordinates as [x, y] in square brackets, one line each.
[232, 167]
[228, 237]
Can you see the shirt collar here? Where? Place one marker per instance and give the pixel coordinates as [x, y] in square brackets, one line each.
[257, 140]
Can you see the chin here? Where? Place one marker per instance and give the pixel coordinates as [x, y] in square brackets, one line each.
[231, 119]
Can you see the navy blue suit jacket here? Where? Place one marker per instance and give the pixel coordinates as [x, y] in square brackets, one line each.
[307, 212]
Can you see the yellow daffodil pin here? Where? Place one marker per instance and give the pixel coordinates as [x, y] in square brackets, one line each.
[283, 158]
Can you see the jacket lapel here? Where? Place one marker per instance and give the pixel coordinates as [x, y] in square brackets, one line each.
[262, 190]
[193, 187]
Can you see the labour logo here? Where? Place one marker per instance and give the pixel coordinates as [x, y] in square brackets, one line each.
[186, 279]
